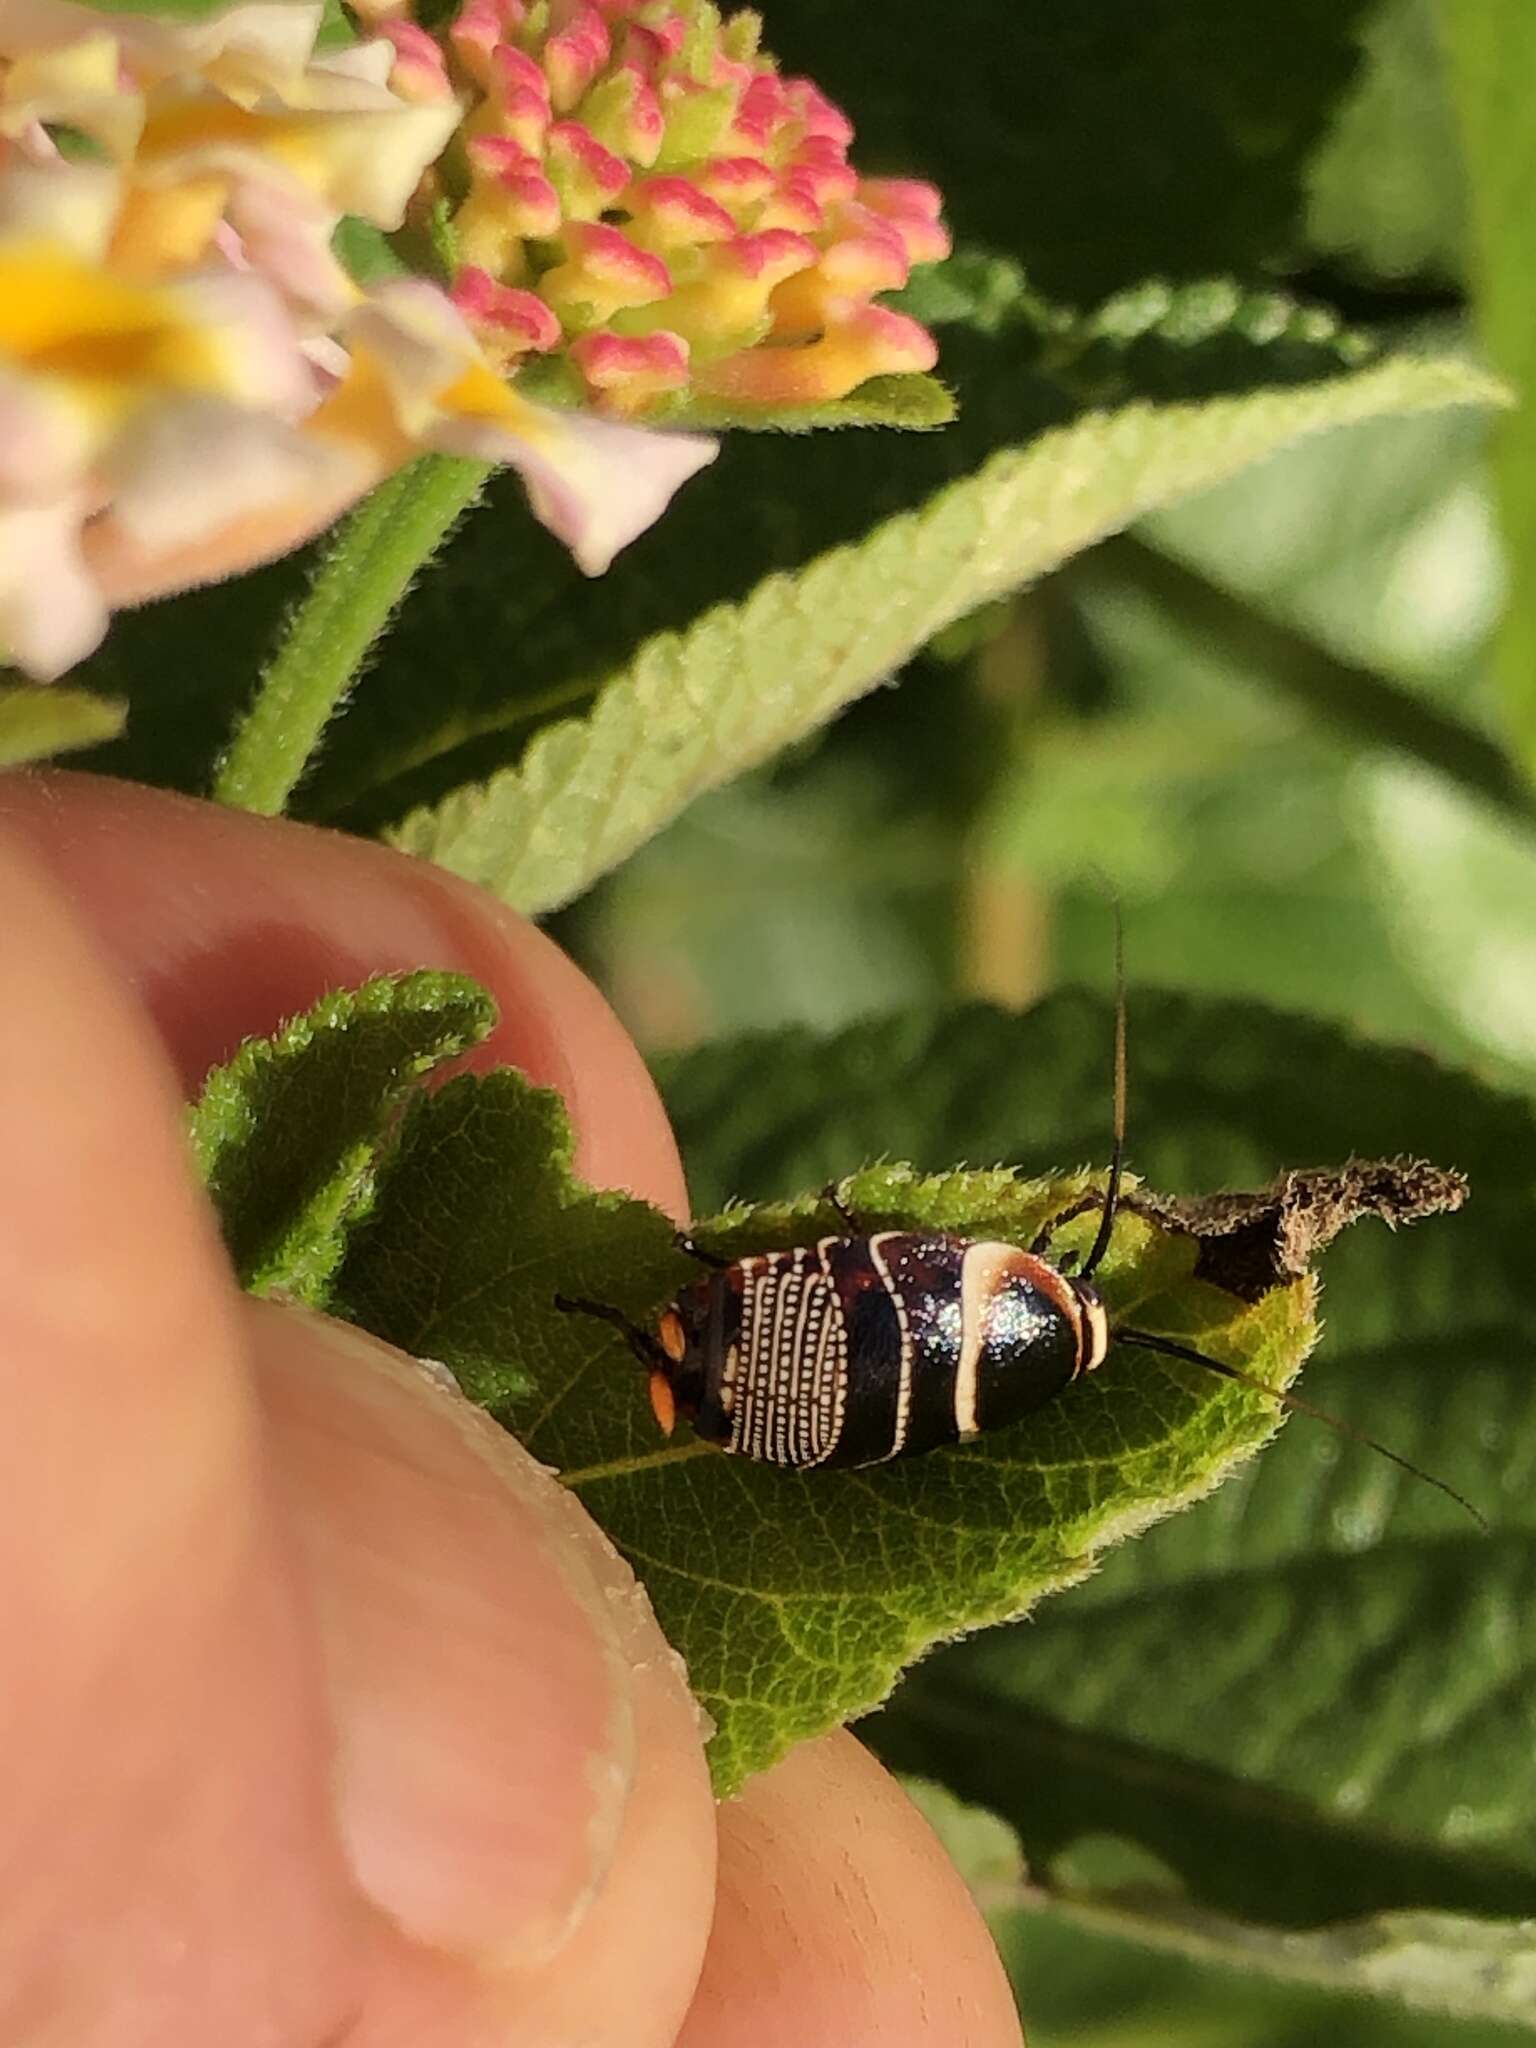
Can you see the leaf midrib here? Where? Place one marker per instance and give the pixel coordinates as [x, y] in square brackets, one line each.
[971, 1723]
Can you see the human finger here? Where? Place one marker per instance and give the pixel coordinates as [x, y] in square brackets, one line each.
[839, 1921]
[225, 924]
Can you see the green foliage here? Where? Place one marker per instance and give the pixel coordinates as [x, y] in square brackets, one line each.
[908, 400]
[1492, 48]
[506, 637]
[1086, 1982]
[1440, 1963]
[287, 1134]
[38, 720]
[1387, 193]
[689, 713]
[1310, 1699]
[796, 1599]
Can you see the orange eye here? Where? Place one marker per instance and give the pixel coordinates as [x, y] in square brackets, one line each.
[673, 1338]
[663, 1406]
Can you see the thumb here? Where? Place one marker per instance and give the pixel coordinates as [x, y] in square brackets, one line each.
[517, 1762]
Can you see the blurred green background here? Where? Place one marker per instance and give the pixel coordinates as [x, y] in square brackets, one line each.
[954, 836]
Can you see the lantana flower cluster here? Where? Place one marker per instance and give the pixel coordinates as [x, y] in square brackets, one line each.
[192, 381]
[638, 188]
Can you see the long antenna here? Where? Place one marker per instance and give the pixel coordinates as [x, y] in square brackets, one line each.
[1170, 1349]
[1117, 1155]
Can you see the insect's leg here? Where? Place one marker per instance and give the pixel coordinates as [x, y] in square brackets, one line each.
[831, 1194]
[641, 1342]
[1093, 1200]
[1048, 1229]
[686, 1244]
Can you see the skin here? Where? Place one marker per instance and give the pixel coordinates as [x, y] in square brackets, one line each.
[330, 1720]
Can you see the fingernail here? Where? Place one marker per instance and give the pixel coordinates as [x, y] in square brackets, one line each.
[476, 1671]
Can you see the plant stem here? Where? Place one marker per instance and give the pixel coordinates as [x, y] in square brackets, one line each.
[370, 565]
[1347, 695]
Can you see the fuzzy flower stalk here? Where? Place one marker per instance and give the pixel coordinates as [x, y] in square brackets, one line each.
[575, 217]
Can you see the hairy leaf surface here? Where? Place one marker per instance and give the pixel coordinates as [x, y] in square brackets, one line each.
[795, 1598]
[1315, 1697]
[692, 710]
[288, 1133]
[38, 720]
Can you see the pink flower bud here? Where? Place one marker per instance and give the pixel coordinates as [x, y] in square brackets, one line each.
[508, 323]
[673, 213]
[588, 177]
[420, 70]
[872, 342]
[519, 101]
[762, 107]
[479, 28]
[604, 273]
[623, 112]
[815, 113]
[912, 208]
[738, 182]
[529, 203]
[574, 57]
[626, 373]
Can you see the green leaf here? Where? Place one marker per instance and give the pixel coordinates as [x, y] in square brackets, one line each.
[691, 711]
[910, 401]
[795, 1598]
[509, 632]
[1439, 853]
[287, 1135]
[907, 400]
[38, 720]
[1387, 192]
[1311, 1698]
[1445, 1963]
[365, 251]
[1492, 50]
[1095, 143]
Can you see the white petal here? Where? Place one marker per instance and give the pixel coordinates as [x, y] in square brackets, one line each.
[190, 469]
[597, 485]
[251, 44]
[72, 203]
[51, 613]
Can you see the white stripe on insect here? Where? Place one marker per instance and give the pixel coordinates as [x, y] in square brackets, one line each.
[980, 1270]
[904, 1379]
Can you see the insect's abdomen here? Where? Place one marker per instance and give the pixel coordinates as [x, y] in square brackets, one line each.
[856, 1350]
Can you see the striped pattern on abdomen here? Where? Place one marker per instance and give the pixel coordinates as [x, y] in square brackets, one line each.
[784, 1383]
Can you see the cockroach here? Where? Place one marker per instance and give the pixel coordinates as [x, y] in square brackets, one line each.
[867, 1346]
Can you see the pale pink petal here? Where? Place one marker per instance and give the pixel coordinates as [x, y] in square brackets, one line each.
[46, 441]
[51, 612]
[261, 362]
[248, 46]
[78, 84]
[73, 204]
[202, 491]
[596, 485]
[284, 234]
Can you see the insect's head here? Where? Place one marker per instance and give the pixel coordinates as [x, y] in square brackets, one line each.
[675, 1363]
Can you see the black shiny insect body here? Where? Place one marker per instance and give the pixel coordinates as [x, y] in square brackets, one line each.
[860, 1348]
[857, 1349]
